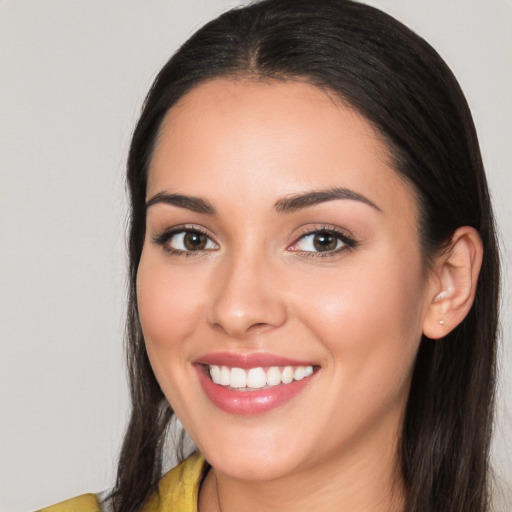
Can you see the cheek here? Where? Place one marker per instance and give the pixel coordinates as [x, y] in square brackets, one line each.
[167, 303]
[369, 318]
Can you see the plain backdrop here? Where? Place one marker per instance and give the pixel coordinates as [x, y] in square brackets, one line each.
[73, 74]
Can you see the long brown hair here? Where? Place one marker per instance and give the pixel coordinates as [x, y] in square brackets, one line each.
[400, 85]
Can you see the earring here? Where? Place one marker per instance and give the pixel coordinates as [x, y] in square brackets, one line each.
[441, 322]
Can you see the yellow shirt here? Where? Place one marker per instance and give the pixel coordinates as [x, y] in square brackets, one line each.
[178, 491]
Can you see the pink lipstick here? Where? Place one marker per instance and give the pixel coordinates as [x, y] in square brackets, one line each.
[248, 384]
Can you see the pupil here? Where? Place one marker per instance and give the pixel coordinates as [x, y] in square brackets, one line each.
[324, 241]
[194, 241]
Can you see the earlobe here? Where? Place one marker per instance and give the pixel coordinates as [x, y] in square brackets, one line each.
[453, 283]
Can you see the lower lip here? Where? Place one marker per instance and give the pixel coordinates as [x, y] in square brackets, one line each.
[248, 403]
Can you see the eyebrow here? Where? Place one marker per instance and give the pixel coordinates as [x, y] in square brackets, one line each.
[195, 204]
[285, 205]
[299, 201]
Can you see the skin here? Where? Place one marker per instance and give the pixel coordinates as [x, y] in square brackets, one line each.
[358, 313]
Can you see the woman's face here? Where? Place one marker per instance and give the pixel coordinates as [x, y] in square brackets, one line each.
[281, 259]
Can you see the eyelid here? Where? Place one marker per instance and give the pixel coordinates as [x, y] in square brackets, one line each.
[343, 235]
[348, 241]
[163, 237]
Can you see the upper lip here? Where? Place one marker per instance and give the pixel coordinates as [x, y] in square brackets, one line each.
[249, 360]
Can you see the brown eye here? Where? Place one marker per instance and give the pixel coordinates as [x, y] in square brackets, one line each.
[195, 241]
[185, 241]
[325, 241]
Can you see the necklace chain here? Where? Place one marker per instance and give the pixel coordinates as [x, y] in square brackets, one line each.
[217, 491]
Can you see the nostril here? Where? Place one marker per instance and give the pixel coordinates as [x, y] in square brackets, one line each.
[254, 329]
[259, 328]
[240, 307]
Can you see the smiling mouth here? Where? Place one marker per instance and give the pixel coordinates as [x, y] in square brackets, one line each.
[252, 384]
[257, 378]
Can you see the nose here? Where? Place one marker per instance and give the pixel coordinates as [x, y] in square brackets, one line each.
[246, 297]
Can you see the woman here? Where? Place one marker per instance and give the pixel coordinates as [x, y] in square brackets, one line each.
[314, 273]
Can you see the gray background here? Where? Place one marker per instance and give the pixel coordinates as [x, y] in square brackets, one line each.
[73, 74]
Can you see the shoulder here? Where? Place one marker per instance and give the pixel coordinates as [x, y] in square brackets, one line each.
[84, 503]
[179, 488]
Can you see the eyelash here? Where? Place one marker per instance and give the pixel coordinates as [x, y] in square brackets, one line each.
[163, 239]
[348, 243]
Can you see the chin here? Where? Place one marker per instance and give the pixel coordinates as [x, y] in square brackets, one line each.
[263, 454]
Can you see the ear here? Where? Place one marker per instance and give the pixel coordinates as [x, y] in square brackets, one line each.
[453, 283]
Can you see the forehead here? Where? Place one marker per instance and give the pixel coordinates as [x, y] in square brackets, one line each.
[280, 110]
[269, 139]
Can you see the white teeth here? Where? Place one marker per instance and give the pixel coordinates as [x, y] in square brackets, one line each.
[238, 378]
[287, 375]
[225, 376]
[273, 376]
[299, 373]
[215, 373]
[257, 378]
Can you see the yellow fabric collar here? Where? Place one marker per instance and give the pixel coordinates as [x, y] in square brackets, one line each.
[177, 491]
[179, 488]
